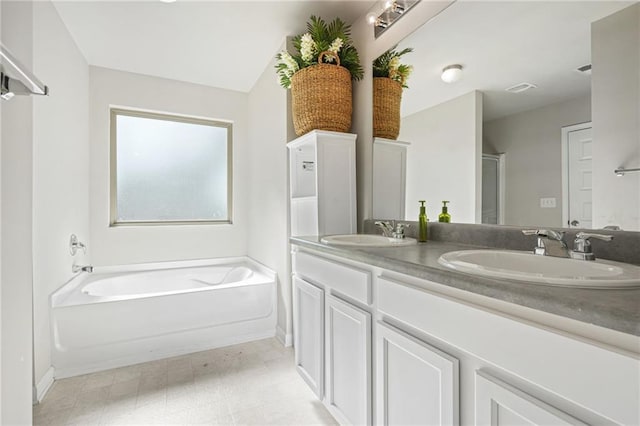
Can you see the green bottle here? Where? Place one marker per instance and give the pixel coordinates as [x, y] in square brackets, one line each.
[422, 225]
[444, 216]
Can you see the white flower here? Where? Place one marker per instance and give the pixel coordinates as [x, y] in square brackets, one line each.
[394, 63]
[336, 45]
[287, 59]
[307, 47]
[409, 71]
[291, 66]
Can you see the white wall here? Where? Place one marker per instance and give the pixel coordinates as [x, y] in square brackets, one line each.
[16, 226]
[137, 244]
[268, 221]
[532, 143]
[60, 168]
[444, 158]
[615, 55]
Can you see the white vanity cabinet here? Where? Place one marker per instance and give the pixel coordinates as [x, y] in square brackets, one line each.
[501, 404]
[308, 320]
[348, 366]
[333, 350]
[416, 384]
[438, 355]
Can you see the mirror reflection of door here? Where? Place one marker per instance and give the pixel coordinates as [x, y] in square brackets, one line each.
[577, 172]
[493, 189]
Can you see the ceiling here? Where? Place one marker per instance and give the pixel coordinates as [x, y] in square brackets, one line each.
[226, 44]
[500, 44]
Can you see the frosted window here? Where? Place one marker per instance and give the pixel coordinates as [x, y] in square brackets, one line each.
[168, 169]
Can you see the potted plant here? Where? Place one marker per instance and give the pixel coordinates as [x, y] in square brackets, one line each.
[319, 75]
[389, 78]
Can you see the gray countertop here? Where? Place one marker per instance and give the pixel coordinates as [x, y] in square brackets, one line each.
[614, 309]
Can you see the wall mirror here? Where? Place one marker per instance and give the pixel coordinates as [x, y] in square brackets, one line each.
[546, 108]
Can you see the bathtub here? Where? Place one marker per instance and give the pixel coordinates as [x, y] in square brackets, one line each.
[118, 316]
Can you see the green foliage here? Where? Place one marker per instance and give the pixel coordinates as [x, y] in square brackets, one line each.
[388, 65]
[320, 37]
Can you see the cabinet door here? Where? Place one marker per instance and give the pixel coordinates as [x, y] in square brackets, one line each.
[348, 362]
[416, 384]
[308, 328]
[500, 404]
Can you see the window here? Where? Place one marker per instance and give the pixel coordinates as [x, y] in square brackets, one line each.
[168, 169]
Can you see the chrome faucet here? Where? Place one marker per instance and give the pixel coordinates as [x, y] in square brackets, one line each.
[387, 227]
[550, 242]
[392, 229]
[582, 245]
[399, 231]
[81, 268]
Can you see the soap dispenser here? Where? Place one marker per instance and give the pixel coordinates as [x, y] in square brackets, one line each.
[444, 216]
[422, 223]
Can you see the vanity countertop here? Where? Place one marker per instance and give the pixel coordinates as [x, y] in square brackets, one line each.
[616, 309]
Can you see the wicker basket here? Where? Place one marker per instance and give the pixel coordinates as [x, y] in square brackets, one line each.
[387, 94]
[321, 96]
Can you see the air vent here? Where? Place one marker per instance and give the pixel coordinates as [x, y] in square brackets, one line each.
[585, 69]
[521, 87]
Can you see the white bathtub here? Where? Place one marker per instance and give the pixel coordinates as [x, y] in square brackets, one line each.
[117, 316]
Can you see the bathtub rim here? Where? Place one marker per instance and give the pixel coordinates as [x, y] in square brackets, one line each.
[58, 296]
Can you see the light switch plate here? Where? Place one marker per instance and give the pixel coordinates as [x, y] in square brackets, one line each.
[548, 203]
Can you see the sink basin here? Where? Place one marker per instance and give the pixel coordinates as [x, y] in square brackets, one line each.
[547, 270]
[366, 240]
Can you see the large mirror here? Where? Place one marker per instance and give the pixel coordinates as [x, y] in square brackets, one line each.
[546, 108]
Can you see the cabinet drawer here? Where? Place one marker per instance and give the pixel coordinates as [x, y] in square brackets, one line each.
[346, 280]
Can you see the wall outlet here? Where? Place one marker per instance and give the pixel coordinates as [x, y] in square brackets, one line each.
[548, 203]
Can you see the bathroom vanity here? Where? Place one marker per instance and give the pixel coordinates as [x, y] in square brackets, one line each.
[389, 336]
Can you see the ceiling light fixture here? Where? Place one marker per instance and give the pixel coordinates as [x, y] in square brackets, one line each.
[451, 73]
[393, 6]
[390, 12]
[168, 1]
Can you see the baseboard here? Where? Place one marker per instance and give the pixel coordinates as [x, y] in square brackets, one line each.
[43, 386]
[285, 339]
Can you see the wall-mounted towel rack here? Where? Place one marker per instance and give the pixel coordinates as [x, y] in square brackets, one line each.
[15, 79]
[621, 171]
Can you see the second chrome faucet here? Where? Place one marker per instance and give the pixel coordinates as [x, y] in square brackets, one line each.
[392, 229]
[551, 243]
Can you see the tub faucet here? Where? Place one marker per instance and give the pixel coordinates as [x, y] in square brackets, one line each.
[81, 268]
[550, 242]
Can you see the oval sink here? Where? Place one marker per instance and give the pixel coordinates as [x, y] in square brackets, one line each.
[366, 240]
[525, 266]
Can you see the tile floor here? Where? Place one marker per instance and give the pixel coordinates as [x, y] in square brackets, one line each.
[248, 384]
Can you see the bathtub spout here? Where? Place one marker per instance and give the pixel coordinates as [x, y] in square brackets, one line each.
[81, 268]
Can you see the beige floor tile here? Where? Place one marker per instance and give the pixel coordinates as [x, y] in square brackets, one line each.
[128, 388]
[126, 374]
[93, 397]
[180, 376]
[156, 399]
[252, 383]
[98, 380]
[85, 415]
[179, 363]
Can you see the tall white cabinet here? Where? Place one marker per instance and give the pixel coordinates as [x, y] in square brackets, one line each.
[322, 173]
[389, 178]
